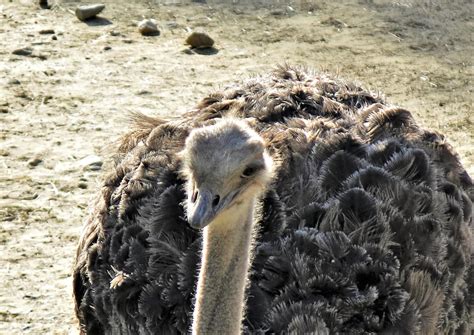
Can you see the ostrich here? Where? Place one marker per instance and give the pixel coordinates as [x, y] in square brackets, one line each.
[294, 202]
[226, 168]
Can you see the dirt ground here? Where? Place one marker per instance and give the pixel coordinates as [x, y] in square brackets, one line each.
[69, 99]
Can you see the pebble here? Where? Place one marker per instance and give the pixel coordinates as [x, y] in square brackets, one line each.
[89, 11]
[237, 11]
[172, 25]
[277, 12]
[35, 161]
[106, 48]
[14, 81]
[91, 163]
[199, 40]
[46, 31]
[334, 22]
[82, 185]
[26, 51]
[44, 4]
[148, 27]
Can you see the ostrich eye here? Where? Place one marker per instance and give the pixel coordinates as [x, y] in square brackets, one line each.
[250, 170]
[216, 200]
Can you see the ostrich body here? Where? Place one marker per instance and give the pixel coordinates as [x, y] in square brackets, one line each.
[322, 210]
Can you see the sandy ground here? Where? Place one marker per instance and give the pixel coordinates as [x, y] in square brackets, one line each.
[70, 98]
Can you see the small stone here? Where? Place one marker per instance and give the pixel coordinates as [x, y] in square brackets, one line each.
[91, 163]
[172, 25]
[26, 51]
[44, 4]
[277, 12]
[46, 31]
[86, 12]
[29, 196]
[114, 33]
[187, 51]
[148, 27]
[82, 185]
[106, 48]
[14, 81]
[54, 38]
[199, 40]
[334, 22]
[35, 161]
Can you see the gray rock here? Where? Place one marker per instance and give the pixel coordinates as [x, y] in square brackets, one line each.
[172, 25]
[199, 40]
[44, 4]
[35, 161]
[148, 27]
[14, 81]
[88, 11]
[82, 185]
[26, 51]
[277, 12]
[46, 32]
[91, 163]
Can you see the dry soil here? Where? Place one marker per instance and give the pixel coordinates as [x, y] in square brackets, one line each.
[69, 98]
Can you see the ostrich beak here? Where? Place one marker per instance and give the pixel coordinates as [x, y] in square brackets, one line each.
[207, 206]
[202, 211]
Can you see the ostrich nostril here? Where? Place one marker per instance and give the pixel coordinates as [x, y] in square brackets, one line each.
[216, 200]
[194, 197]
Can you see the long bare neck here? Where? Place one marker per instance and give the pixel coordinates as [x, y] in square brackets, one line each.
[222, 280]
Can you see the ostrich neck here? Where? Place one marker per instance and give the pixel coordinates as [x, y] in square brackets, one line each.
[220, 300]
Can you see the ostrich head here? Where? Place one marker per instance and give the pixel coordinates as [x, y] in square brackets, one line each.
[226, 167]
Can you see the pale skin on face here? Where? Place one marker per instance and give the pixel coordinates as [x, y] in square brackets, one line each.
[224, 183]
